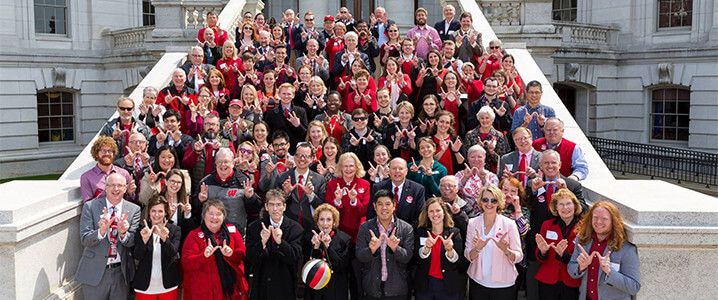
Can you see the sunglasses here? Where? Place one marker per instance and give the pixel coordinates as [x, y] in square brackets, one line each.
[309, 20]
[487, 200]
[494, 47]
[357, 119]
[248, 28]
[126, 108]
[393, 30]
[245, 151]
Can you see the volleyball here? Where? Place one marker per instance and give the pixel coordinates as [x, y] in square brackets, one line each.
[316, 274]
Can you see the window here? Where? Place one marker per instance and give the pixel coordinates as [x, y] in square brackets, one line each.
[51, 16]
[675, 13]
[670, 108]
[565, 10]
[148, 13]
[55, 116]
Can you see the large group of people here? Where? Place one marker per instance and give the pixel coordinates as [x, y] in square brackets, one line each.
[414, 165]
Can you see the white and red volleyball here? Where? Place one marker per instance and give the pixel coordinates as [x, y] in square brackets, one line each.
[316, 274]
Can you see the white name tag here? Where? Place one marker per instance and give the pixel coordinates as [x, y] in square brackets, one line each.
[450, 32]
[540, 191]
[231, 229]
[510, 166]
[422, 241]
[222, 66]
[551, 235]
[615, 267]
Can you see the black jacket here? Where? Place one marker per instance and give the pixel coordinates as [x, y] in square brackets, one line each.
[275, 267]
[454, 273]
[449, 35]
[277, 121]
[338, 257]
[169, 259]
[410, 204]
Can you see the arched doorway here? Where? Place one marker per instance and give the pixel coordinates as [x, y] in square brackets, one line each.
[567, 94]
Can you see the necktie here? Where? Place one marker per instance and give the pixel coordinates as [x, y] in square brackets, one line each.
[549, 193]
[208, 159]
[291, 40]
[112, 252]
[286, 113]
[396, 197]
[522, 169]
[300, 193]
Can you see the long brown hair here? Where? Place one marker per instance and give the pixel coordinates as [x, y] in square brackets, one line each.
[424, 215]
[584, 230]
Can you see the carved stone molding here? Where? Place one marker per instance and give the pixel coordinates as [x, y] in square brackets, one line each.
[571, 70]
[665, 72]
[58, 77]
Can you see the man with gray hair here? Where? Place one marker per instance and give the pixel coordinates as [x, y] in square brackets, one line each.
[195, 68]
[124, 125]
[178, 95]
[234, 189]
[380, 22]
[573, 162]
[448, 25]
[344, 59]
[461, 210]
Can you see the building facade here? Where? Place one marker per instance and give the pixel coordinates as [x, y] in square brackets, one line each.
[643, 71]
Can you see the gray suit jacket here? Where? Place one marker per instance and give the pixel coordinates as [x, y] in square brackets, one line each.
[293, 203]
[624, 280]
[512, 159]
[94, 256]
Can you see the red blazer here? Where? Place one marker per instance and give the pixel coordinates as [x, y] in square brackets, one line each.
[350, 104]
[552, 269]
[333, 47]
[347, 88]
[226, 66]
[407, 84]
[473, 89]
[201, 277]
[351, 216]
[176, 104]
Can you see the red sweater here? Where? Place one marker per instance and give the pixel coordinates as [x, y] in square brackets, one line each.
[350, 104]
[226, 66]
[201, 277]
[473, 89]
[564, 149]
[407, 84]
[351, 216]
[220, 35]
[551, 269]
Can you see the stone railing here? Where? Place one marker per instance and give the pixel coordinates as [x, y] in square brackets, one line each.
[578, 35]
[131, 38]
[502, 12]
[195, 13]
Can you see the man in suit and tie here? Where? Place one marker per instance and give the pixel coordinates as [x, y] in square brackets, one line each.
[448, 25]
[523, 162]
[408, 195]
[539, 191]
[304, 188]
[287, 117]
[107, 229]
[197, 71]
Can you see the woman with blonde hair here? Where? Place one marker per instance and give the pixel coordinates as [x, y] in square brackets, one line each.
[316, 134]
[349, 193]
[329, 243]
[231, 66]
[493, 247]
[603, 259]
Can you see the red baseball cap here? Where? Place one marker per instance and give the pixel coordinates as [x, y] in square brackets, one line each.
[328, 18]
[235, 102]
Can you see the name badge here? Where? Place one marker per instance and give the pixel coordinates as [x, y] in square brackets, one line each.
[540, 191]
[232, 229]
[450, 32]
[510, 166]
[222, 66]
[422, 241]
[615, 267]
[551, 235]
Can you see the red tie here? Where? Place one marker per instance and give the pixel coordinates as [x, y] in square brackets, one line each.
[522, 169]
[396, 197]
[300, 193]
[291, 41]
[112, 252]
[549, 193]
[286, 113]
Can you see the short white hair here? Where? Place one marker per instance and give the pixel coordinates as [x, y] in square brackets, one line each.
[351, 34]
[488, 111]
[476, 148]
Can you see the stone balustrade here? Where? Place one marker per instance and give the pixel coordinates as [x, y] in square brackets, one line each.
[131, 38]
[579, 35]
[502, 12]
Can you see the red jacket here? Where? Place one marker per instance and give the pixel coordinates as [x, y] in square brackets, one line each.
[351, 216]
[219, 37]
[350, 104]
[552, 269]
[473, 89]
[201, 277]
[406, 89]
[565, 152]
[227, 67]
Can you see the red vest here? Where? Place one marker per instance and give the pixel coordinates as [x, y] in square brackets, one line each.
[551, 269]
[564, 149]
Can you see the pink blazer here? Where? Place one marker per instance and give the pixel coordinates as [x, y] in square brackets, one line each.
[502, 269]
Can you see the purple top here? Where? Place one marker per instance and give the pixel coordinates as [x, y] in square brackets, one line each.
[420, 36]
[92, 182]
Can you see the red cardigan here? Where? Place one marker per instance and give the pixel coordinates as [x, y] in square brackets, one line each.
[407, 84]
[201, 277]
[551, 269]
[350, 105]
[351, 216]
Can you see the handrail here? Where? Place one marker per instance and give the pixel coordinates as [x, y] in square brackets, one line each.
[658, 161]
[158, 77]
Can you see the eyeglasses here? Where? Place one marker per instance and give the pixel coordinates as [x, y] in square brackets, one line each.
[175, 182]
[245, 151]
[198, 55]
[106, 151]
[138, 142]
[125, 108]
[301, 156]
[359, 119]
[487, 200]
[279, 144]
[309, 20]
[114, 186]
[248, 28]
[494, 47]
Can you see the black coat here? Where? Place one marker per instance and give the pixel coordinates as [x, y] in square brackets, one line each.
[277, 121]
[539, 211]
[454, 273]
[453, 27]
[169, 259]
[294, 205]
[338, 257]
[410, 204]
[274, 267]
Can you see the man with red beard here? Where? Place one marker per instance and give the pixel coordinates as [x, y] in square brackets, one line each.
[234, 189]
[92, 182]
[124, 125]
